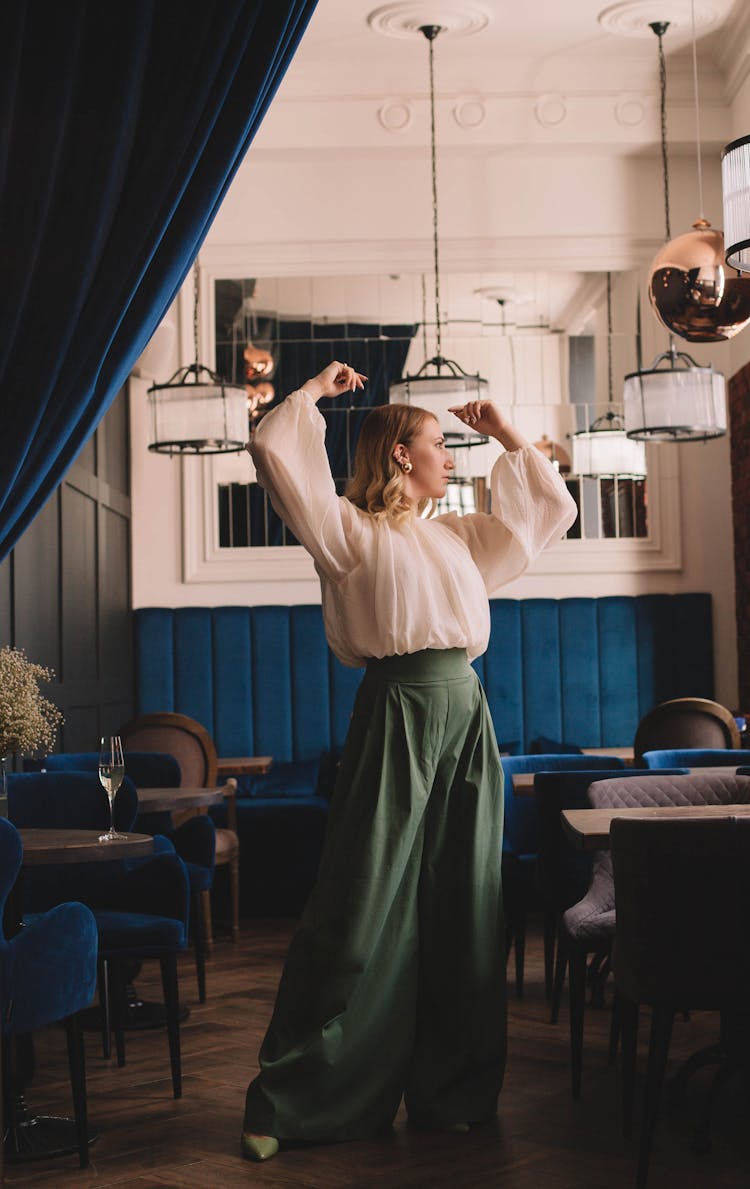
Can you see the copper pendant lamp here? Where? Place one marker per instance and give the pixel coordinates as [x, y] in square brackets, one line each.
[691, 289]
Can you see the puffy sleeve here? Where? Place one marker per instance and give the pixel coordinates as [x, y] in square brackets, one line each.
[531, 508]
[288, 450]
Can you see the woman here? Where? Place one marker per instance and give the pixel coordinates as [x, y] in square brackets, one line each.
[394, 982]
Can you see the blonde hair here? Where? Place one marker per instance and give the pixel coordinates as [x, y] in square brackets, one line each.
[377, 484]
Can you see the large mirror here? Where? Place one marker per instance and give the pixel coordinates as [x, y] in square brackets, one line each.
[553, 348]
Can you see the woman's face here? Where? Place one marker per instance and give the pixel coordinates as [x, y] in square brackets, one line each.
[431, 463]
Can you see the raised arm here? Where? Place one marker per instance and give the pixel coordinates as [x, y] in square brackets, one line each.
[288, 449]
[531, 506]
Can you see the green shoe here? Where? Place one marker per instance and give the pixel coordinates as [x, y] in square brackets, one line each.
[456, 1129]
[258, 1147]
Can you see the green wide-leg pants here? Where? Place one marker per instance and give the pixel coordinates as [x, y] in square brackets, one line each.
[394, 984]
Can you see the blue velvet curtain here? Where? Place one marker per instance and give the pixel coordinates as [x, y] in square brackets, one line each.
[121, 127]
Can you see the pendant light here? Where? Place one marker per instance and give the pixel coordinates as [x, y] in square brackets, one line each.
[678, 402]
[691, 290]
[674, 399]
[196, 411]
[604, 450]
[735, 182]
[442, 382]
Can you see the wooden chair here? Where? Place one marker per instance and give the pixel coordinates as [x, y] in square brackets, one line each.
[683, 723]
[193, 748]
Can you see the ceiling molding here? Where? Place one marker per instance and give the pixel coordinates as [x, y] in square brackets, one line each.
[734, 56]
[372, 257]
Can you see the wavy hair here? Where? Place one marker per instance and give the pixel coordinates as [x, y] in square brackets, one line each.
[377, 484]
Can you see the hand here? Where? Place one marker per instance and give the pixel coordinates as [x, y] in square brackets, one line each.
[481, 415]
[333, 380]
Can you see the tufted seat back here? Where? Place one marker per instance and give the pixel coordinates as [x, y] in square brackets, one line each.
[262, 680]
[698, 788]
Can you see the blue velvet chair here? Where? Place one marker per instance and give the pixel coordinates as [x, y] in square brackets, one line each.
[520, 846]
[697, 757]
[193, 840]
[47, 973]
[141, 906]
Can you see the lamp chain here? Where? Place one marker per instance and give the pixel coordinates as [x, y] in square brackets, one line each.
[196, 301]
[697, 114]
[609, 336]
[431, 32]
[660, 28]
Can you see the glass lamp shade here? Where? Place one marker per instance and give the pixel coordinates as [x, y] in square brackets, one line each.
[604, 453]
[735, 181]
[436, 394]
[674, 404]
[691, 290]
[473, 455]
[204, 416]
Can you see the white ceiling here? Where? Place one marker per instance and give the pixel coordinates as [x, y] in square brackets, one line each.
[524, 60]
[538, 45]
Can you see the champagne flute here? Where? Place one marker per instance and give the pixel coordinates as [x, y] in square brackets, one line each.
[111, 773]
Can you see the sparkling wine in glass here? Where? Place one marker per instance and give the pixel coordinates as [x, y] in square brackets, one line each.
[111, 773]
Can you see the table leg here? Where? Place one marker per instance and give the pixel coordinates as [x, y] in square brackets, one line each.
[29, 1136]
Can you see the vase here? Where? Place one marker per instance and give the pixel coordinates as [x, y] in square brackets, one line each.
[3, 787]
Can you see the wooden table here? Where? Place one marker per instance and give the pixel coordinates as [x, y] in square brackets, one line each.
[42, 847]
[172, 800]
[588, 829]
[243, 766]
[622, 753]
[523, 782]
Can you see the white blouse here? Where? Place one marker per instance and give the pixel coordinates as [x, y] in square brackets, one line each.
[423, 583]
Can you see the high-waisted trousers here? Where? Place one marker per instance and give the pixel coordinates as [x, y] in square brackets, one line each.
[394, 983]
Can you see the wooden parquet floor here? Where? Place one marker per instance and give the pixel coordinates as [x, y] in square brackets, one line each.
[541, 1140]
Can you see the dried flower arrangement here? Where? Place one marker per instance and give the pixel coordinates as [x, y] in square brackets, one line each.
[28, 721]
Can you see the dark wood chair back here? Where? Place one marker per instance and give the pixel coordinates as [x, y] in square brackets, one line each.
[685, 722]
[183, 737]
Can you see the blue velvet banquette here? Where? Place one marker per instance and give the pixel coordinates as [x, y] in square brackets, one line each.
[262, 680]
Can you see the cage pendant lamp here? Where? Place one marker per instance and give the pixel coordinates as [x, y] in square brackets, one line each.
[604, 450]
[442, 382]
[196, 411]
[674, 400]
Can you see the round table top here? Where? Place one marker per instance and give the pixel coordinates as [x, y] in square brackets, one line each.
[43, 846]
[171, 800]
